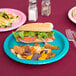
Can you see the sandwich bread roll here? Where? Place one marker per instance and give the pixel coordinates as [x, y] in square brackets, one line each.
[42, 27]
[36, 27]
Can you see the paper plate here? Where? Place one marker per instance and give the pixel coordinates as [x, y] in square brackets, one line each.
[70, 15]
[21, 20]
[60, 40]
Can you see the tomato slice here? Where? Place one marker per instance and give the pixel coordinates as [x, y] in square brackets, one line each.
[7, 18]
[50, 38]
[29, 39]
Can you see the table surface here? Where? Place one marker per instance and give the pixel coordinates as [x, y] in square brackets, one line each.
[64, 67]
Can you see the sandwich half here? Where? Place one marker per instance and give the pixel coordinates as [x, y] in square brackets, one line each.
[35, 32]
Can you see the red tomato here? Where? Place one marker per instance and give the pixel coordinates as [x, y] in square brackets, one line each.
[29, 38]
[7, 18]
[50, 38]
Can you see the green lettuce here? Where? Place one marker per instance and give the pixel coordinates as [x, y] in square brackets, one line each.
[15, 35]
[40, 35]
[21, 34]
[30, 34]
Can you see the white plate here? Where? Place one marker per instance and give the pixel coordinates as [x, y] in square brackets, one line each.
[70, 15]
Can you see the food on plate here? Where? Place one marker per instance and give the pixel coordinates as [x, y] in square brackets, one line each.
[48, 46]
[74, 13]
[35, 32]
[35, 52]
[50, 55]
[18, 49]
[7, 19]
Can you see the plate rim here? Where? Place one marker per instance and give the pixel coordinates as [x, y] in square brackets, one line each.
[25, 19]
[32, 62]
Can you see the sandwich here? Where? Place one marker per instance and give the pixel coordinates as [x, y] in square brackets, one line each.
[35, 32]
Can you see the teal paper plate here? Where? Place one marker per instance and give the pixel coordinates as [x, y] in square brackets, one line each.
[60, 40]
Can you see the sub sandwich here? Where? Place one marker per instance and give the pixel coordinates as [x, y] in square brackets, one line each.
[35, 32]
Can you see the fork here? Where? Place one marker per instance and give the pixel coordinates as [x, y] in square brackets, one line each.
[70, 36]
[74, 34]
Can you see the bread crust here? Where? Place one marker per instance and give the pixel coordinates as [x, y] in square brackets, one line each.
[41, 27]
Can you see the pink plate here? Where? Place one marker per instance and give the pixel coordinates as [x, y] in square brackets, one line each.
[20, 21]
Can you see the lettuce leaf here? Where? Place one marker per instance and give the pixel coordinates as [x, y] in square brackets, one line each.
[15, 34]
[41, 35]
[51, 34]
[29, 34]
[21, 34]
